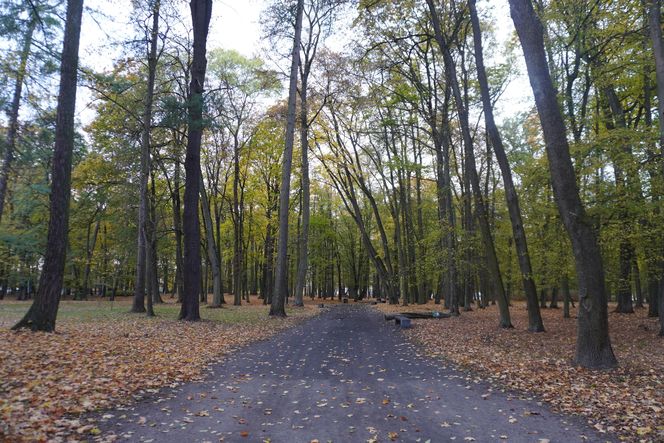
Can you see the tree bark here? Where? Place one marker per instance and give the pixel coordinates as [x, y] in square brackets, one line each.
[303, 244]
[471, 170]
[534, 316]
[201, 11]
[12, 127]
[593, 347]
[213, 257]
[138, 304]
[278, 306]
[43, 312]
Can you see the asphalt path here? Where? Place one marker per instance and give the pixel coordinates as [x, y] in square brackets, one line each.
[344, 376]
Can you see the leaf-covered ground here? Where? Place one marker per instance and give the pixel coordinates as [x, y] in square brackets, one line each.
[101, 356]
[628, 401]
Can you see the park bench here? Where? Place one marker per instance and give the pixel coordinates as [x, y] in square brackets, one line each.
[402, 321]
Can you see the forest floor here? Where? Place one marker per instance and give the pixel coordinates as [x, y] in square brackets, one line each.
[103, 356]
[628, 401]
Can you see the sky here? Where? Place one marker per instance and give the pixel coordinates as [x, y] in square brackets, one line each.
[235, 25]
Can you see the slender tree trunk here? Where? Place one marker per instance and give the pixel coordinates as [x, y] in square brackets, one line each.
[471, 170]
[138, 304]
[534, 317]
[278, 306]
[12, 127]
[177, 226]
[88, 259]
[567, 297]
[213, 257]
[238, 222]
[201, 11]
[593, 347]
[43, 312]
[303, 244]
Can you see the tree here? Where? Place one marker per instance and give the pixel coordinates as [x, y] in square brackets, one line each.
[12, 130]
[144, 252]
[655, 14]
[43, 312]
[471, 171]
[534, 316]
[277, 308]
[593, 346]
[201, 11]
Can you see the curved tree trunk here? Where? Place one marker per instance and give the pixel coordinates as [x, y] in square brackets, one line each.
[593, 346]
[534, 316]
[43, 311]
[471, 170]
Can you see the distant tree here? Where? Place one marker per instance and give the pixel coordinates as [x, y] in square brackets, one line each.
[43, 312]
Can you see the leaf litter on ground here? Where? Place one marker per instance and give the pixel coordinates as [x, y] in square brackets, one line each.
[49, 382]
[627, 402]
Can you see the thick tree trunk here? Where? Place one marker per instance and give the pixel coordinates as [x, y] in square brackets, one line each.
[471, 170]
[201, 11]
[534, 317]
[278, 306]
[138, 304]
[593, 348]
[43, 312]
[12, 126]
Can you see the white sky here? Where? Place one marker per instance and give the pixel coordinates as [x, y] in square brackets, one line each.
[234, 25]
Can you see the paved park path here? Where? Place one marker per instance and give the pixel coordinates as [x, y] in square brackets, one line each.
[345, 376]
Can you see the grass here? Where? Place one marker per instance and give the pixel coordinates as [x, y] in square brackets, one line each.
[105, 310]
[102, 356]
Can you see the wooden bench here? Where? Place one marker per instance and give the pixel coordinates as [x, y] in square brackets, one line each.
[402, 321]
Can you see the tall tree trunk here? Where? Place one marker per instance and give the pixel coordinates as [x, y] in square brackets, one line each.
[593, 346]
[238, 223]
[44, 309]
[90, 248]
[177, 226]
[213, 257]
[12, 127]
[303, 244]
[278, 306]
[153, 258]
[138, 304]
[534, 317]
[201, 11]
[471, 170]
[655, 14]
